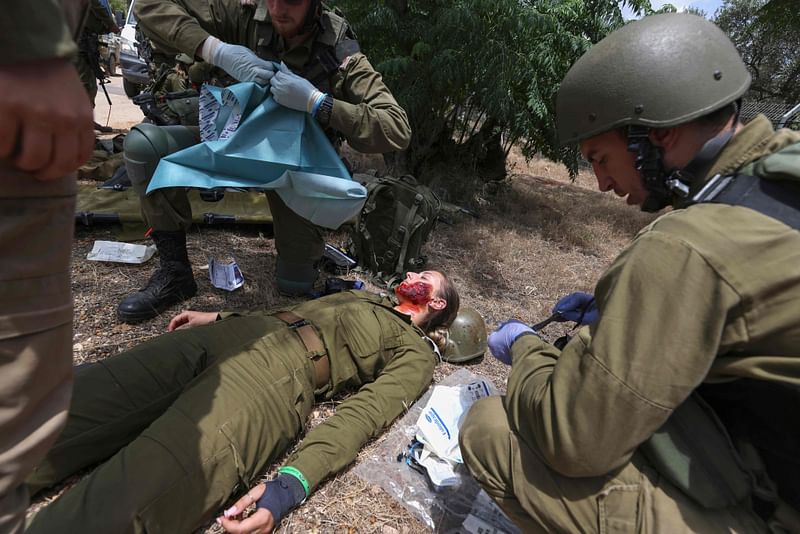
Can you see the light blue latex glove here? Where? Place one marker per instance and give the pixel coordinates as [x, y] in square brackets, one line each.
[504, 336]
[295, 92]
[238, 61]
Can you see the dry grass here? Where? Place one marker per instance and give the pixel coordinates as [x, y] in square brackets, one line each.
[539, 236]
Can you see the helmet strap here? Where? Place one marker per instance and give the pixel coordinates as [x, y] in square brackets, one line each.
[650, 164]
[680, 179]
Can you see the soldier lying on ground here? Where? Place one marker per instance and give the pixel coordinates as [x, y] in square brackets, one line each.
[202, 412]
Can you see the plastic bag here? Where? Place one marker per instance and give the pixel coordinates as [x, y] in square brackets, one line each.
[463, 508]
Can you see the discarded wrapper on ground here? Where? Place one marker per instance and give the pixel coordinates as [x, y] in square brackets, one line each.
[120, 252]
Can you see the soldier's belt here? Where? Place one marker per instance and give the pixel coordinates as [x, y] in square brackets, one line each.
[313, 343]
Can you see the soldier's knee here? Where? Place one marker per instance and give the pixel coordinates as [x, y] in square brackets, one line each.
[484, 426]
[145, 143]
[144, 146]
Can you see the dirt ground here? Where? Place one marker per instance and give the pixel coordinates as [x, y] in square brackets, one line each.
[538, 237]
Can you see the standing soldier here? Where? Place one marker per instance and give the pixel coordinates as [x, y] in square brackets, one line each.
[87, 62]
[329, 78]
[45, 134]
[677, 411]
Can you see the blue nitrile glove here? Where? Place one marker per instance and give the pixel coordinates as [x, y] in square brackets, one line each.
[577, 307]
[282, 494]
[295, 92]
[238, 61]
[504, 336]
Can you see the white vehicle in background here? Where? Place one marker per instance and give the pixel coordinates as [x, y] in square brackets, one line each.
[135, 74]
[128, 32]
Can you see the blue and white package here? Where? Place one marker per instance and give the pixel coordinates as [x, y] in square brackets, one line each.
[438, 425]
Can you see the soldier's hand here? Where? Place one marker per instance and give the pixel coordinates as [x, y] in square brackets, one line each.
[273, 501]
[238, 61]
[260, 522]
[578, 307]
[501, 340]
[295, 92]
[47, 125]
[190, 319]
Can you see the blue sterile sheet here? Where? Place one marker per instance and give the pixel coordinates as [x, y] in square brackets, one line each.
[249, 141]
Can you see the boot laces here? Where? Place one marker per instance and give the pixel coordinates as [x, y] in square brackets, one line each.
[169, 273]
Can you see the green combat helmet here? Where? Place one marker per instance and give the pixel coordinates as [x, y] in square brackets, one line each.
[657, 72]
[466, 337]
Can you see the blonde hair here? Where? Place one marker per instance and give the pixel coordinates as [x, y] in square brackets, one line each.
[437, 324]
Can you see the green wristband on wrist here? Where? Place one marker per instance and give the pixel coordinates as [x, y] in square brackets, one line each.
[289, 470]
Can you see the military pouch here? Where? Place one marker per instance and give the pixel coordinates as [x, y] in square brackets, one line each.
[693, 451]
[186, 105]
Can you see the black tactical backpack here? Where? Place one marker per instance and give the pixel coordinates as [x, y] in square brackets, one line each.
[394, 224]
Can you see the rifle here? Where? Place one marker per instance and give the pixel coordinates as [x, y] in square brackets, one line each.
[89, 43]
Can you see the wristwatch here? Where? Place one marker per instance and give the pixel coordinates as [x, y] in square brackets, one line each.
[324, 112]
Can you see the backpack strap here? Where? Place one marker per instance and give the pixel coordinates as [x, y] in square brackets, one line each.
[372, 194]
[333, 45]
[779, 199]
[407, 230]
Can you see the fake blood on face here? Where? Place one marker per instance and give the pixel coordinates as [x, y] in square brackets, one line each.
[418, 292]
[413, 296]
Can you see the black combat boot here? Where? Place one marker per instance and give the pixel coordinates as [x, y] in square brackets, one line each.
[295, 279]
[173, 282]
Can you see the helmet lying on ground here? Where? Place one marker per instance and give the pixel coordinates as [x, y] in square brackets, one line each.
[466, 337]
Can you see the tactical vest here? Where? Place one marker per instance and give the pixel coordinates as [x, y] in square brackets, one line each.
[770, 185]
[739, 439]
[334, 42]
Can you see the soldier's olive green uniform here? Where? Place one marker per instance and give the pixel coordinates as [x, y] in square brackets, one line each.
[175, 82]
[36, 228]
[364, 112]
[98, 21]
[202, 412]
[703, 295]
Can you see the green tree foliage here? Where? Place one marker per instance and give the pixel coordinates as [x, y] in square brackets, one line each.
[696, 11]
[669, 8]
[119, 5]
[477, 76]
[767, 35]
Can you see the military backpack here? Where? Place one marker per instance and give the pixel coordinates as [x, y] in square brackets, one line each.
[394, 224]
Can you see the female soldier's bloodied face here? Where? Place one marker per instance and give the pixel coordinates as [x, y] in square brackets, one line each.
[417, 292]
[418, 295]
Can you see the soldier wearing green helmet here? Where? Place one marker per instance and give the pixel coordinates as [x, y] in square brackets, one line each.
[677, 411]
